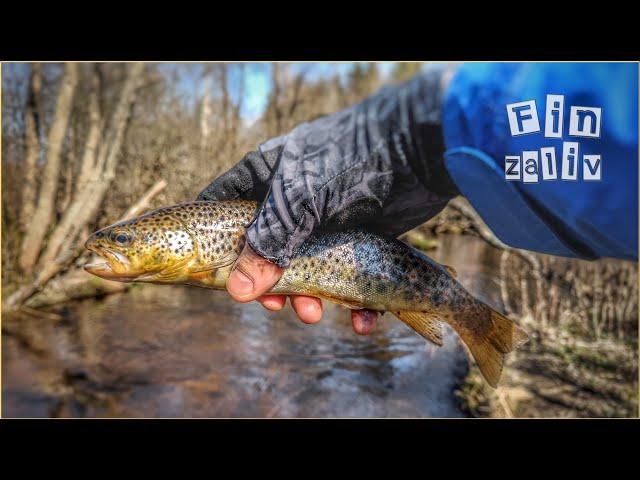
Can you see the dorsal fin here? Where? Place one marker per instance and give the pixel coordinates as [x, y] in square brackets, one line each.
[451, 270]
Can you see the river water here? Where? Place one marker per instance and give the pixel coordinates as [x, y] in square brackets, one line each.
[172, 351]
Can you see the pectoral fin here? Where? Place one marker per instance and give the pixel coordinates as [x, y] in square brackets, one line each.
[221, 262]
[425, 324]
[170, 274]
[350, 306]
[214, 278]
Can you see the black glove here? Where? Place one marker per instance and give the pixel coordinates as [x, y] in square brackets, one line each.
[378, 164]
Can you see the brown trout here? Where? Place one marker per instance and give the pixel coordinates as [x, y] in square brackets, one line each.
[196, 243]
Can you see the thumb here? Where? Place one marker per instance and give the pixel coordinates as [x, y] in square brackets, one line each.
[252, 276]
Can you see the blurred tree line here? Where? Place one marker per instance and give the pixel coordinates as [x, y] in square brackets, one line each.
[84, 145]
[83, 142]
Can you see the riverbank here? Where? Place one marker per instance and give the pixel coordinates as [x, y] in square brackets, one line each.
[582, 358]
[561, 378]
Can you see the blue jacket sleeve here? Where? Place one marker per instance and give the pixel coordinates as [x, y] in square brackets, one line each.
[585, 219]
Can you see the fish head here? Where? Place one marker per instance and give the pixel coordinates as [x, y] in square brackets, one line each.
[156, 247]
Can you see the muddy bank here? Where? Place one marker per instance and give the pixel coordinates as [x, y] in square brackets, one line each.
[559, 379]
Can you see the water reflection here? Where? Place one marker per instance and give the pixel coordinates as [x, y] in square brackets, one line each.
[176, 351]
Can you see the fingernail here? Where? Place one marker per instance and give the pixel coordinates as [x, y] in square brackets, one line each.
[240, 283]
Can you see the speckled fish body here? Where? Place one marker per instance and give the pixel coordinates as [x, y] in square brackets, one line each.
[197, 243]
[366, 270]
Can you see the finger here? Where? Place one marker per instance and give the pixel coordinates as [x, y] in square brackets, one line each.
[364, 321]
[273, 302]
[252, 276]
[308, 309]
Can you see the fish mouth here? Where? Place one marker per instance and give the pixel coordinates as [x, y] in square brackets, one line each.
[111, 265]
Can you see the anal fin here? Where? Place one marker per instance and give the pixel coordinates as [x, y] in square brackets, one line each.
[427, 325]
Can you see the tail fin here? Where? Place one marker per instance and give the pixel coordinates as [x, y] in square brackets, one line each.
[489, 336]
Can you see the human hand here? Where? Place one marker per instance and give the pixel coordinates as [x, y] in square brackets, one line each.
[376, 164]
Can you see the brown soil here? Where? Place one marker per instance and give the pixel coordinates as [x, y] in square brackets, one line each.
[558, 379]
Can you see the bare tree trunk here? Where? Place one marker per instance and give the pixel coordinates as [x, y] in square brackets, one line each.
[596, 302]
[32, 150]
[504, 291]
[205, 114]
[45, 208]
[236, 115]
[223, 72]
[92, 141]
[67, 181]
[275, 78]
[224, 125]
[76, 283]
[297, 89]
[524, 296]
[87, 202]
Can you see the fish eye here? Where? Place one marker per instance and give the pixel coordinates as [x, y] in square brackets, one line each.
[122, 239]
